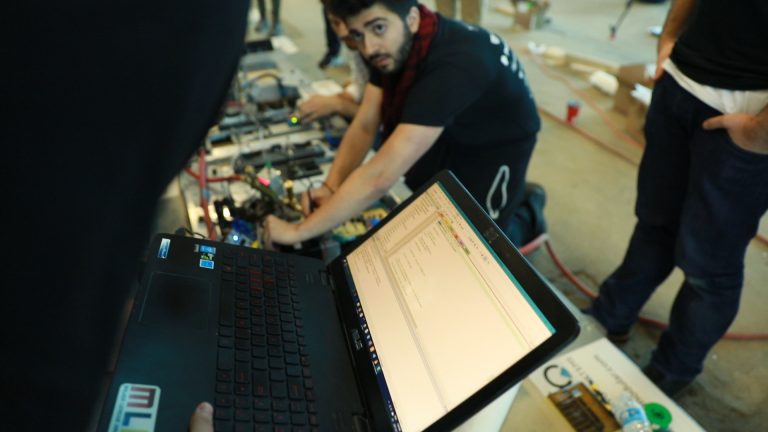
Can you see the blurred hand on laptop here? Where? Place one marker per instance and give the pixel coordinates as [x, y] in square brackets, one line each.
[202, 418]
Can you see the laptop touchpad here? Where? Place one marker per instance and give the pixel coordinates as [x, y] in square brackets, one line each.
[177, 300]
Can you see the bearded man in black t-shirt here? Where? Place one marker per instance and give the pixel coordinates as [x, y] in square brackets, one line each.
[445, 95]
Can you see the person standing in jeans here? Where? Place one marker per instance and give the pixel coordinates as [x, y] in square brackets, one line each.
[276, 29]
[702, 186]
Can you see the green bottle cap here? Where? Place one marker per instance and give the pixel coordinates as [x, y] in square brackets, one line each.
[658, 415]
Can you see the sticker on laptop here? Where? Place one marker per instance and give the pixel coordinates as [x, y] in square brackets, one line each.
[135, 408]
[165, 244]
[206, 255]
[207, 249]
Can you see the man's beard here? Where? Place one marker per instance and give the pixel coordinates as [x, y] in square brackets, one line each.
[398, 61]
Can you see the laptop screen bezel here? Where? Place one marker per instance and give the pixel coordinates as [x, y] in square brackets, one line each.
[562, 320]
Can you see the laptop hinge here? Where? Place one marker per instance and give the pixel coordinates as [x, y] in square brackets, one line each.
[360, 423]
[324, 278]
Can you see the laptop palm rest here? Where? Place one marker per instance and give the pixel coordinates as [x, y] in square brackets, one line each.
[178, 301]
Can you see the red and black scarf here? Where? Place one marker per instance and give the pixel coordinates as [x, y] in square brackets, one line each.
[395, 87]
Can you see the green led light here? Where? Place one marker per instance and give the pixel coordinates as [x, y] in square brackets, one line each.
[294, 119]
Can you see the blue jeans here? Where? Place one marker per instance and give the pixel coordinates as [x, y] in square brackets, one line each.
[699, 201]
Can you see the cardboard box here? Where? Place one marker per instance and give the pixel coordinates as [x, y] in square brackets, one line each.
[628, 76]
[530, 14]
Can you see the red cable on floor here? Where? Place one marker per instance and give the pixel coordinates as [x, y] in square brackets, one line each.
[548, 72]
[588, 100]
[534, 244]
[544, 239]
[588, 136]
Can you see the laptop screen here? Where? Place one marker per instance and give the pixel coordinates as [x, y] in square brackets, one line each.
[442, 316]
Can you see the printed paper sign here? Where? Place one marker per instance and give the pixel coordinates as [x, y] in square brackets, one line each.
[612, 372]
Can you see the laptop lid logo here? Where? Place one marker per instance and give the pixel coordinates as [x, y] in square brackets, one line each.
[491, 235]
[165, 245]
[135, 408]
[356, 340]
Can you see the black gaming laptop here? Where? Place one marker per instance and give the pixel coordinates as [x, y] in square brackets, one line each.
[427, 320]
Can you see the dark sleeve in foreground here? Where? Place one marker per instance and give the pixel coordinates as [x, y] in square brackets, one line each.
[108, 102]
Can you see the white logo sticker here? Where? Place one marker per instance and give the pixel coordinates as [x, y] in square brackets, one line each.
[135, 408]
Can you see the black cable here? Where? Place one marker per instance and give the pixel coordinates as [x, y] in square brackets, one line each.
[185, 231]
[311, 184]
[280, 86]
[311, 203]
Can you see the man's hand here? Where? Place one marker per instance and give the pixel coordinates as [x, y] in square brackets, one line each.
[279, 231]
[316, 107]
[202, 418]
[664, 51]
[744, 130]
[677, 17]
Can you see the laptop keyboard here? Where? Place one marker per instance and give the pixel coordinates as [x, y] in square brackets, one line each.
[263, 381]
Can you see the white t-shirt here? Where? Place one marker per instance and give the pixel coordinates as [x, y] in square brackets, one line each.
[725, 101]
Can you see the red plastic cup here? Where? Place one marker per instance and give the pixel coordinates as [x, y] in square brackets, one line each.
[573, 111]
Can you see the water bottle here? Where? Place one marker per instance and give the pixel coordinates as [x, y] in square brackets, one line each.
[631, 414]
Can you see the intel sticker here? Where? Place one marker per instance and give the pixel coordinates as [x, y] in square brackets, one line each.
[206, 264]
[207, 249]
